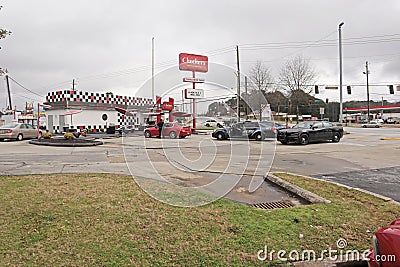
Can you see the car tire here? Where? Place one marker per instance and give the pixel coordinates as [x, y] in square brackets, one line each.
[259, 137]
[377, 126]
[219, 125]
[283, 142]
[1, 139]
[147, 134]
[336, 138]
[20, 137]
[207, 125]
[172, 135]
[220, 136]
[304, 139]
[364, 126]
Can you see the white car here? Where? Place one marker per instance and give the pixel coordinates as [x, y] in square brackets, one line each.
[372, 124]
[213, 123]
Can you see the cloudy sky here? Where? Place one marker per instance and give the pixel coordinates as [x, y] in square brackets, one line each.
[106, 45]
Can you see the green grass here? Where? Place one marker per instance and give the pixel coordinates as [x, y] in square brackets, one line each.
[107, 220]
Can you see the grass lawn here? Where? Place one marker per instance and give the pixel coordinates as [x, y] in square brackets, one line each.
[107, 220]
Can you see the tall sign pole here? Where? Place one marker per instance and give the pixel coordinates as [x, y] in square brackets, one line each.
[152, 69]
[193, 63]
[340, 73]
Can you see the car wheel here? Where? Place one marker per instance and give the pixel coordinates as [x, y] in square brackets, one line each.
[364, 126]
[220, 136]
[147, 134]
[20, 137]
[377, 126]
[283, 142]
[304, 139]
[219, 125]
[336, 138]
[1, 139]
[207, 125]
[259, 137]
[172, 135]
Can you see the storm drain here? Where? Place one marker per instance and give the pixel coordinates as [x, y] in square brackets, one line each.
[273, 205]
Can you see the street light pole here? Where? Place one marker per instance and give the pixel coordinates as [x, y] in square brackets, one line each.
[340, 73]
[366, 72]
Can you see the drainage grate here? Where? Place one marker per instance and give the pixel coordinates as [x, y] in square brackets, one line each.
[273, 205]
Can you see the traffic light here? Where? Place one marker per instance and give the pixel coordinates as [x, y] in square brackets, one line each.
[327, 101]
[316, 89]
[391, 90]
[349, 89]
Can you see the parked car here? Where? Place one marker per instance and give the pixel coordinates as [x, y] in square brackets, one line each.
[126, 130]
[247, 129]
[386, 246]
[213, 123]
[372, 124]
[393, 120]
[310, 131]
[171, 129]
[18, 131]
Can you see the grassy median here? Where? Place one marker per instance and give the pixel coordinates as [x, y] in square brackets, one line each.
[107, 220]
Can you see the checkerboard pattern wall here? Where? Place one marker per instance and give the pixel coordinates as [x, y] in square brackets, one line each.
[100, 98]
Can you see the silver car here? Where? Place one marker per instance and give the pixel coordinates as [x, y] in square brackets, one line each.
[372, 124]
[17, 131]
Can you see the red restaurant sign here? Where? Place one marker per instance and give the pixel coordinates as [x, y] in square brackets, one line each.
[192, 62]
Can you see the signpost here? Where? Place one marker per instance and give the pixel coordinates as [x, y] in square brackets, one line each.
[322, 112]
[193, 63]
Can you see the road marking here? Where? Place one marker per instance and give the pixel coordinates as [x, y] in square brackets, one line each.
[351, 144]
[390, 138]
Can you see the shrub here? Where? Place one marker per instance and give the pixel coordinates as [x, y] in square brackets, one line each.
[69, 136]
[47, 135]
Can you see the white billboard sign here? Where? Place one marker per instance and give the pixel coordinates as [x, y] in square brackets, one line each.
[194, 93]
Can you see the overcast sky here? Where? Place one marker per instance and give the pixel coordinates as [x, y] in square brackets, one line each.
[106, 45]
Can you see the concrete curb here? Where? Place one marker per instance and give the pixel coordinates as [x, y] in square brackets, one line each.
[66, 144]
[387, 199]
[305, 194]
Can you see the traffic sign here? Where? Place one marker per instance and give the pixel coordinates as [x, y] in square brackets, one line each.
[194, 93]
[193, 80]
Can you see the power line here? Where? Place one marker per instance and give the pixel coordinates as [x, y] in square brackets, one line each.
[32, 92]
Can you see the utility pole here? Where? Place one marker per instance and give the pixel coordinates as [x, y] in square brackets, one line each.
[73, 84]
[247, 98]
[9, 93]
[238, 85]
[366, 72]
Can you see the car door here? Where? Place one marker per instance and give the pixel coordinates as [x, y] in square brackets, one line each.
[317, 132]
[31, 132]
[328, 131]
[237, 130]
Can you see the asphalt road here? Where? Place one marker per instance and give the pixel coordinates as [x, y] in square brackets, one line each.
[231, 169]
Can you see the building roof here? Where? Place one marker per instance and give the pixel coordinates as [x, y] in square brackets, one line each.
[89, 100]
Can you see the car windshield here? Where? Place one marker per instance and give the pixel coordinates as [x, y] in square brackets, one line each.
[304, 124]
[9, 125]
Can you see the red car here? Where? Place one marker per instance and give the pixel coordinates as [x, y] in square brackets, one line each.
[171, 129]
[386, 251]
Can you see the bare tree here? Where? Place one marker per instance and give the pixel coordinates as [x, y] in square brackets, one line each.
[262, 81]
[3, 34]
[297, 77]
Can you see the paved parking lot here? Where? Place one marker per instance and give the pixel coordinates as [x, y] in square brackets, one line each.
[233, 169]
